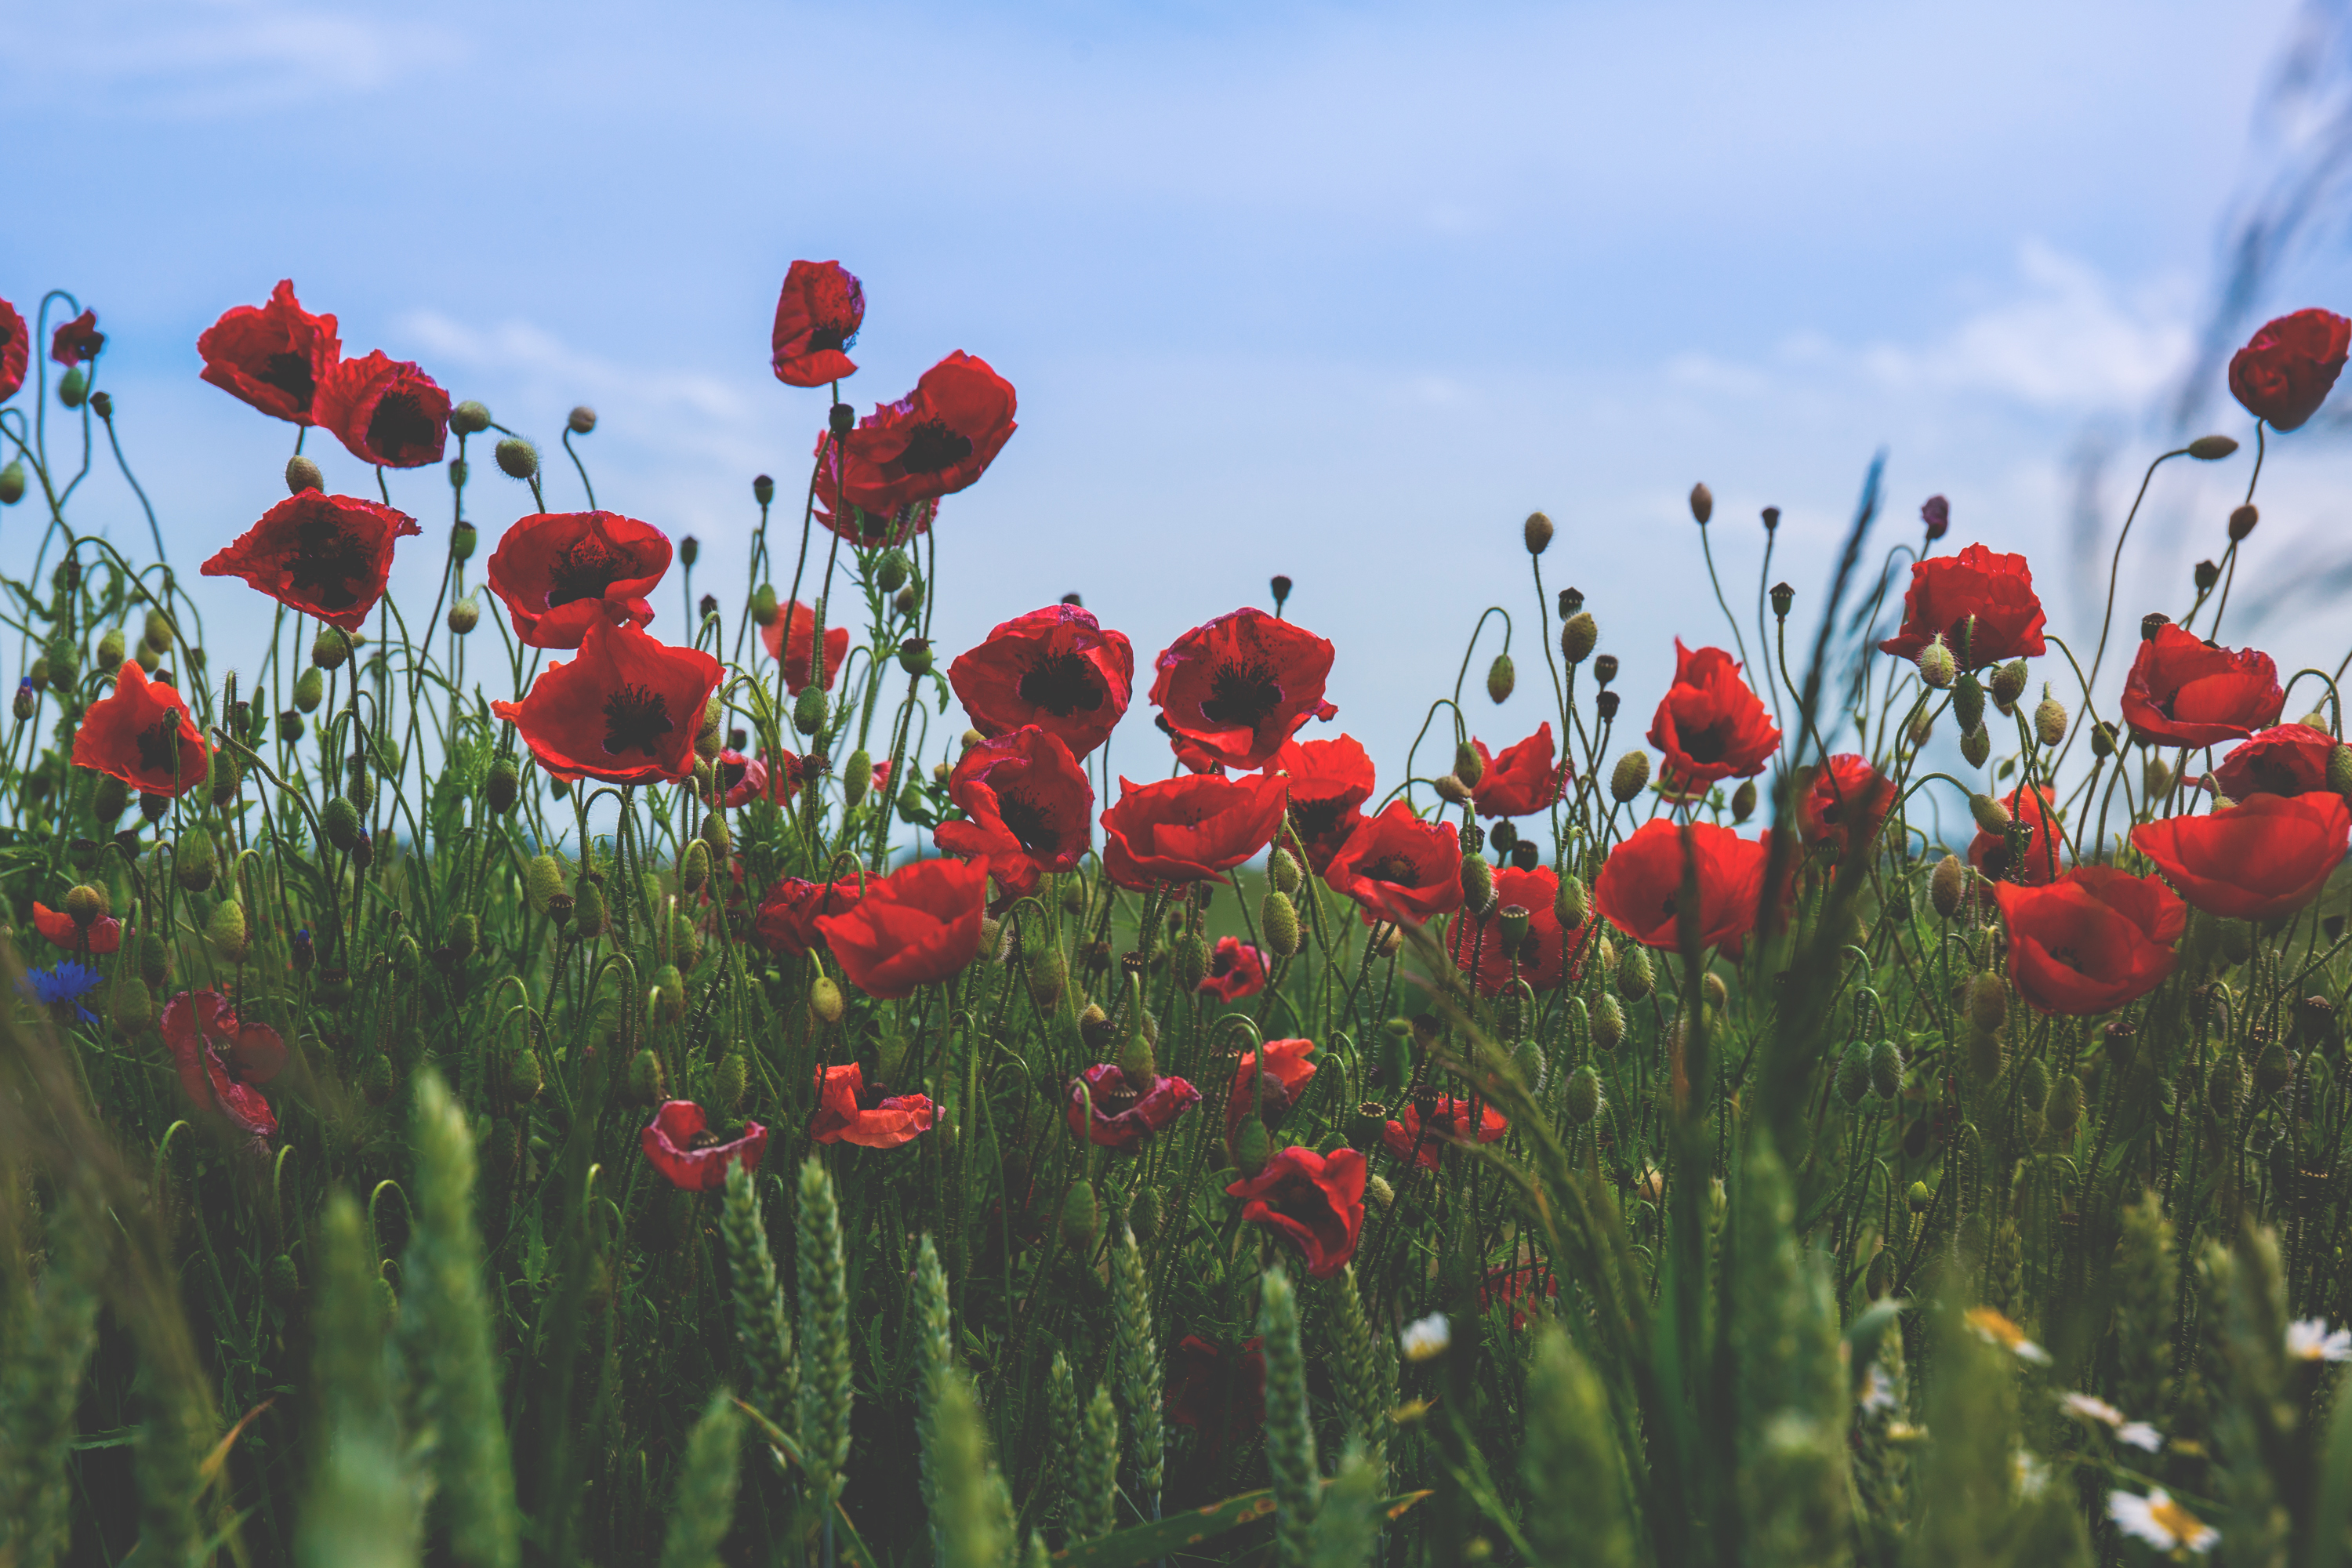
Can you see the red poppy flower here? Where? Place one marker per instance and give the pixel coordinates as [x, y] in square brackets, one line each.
[626, 710]
[935, 441]
[324, 555]
[817, 317]
[2290, 759]
[2090, 941]
[804, 630]
[1188, 830]
[1542, 953]
[1520, 780]
[104, 936]
[1994, 591]
[1237, 969]
[15, 350]
[1029, 809]
[2182, 691]
[867, 529]
[1449, 1122]
[918, 925]
[679, 1144]
[2266, 857]
[1106, 1110]
[787, 917]
[1710, 725]
[2284, 371]
[2038, 862]
[1508, 1285]
[384, 411]
[1053, 668]
[1216, 1392]
[1287, 1074]
[848, 1111]
[1844, 803]
[742, 780]
[1642, 878]
[1242, 685]
[1315, 1200]
[142, 735]
[558, 572]
[1398, 867]
[221, 1059]
[1190, 755]
[1329, 782]
[76, 341]
[273, 356]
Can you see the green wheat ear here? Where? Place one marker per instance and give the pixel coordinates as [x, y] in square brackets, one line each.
[1289, 1429]
[1366, 1377]
[1136, 1357]
[44, 1342]
[763, 1331]
[1348, 1525]
[362, 1509]
[705, 1505]
[1092, 1510]
[972, 1521]
[825, 1391]
[936, 1350]
[1064, 1447]
[1578, 1500]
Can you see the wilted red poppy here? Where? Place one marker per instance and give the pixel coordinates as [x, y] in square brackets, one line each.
[817, 317]
[1709, 724]
[1520, 779]
[1640, 884]
[1992, 594]
[1188, 830]
[2037, 862]
[745, 779]
[272, 356]
[15, 350]
[1053, 668]
[1542, 955]
[626, 710]
[2285, 370]
[104, 935]
[142, 735]
[2266, 857]
[1108, 1109]
[849, 1111]
[384, 411]
[1449, 1122]
[1398, 867]
[1237, 969]
[935, 441]
[2289, 759]
[787, 917]
[76, 341]
[1844, 803]
[1029, 807]
[1315, 1200]
[558, 572]
[1217, 1393]
[803, 635]
[2090, 941]
[679, 1144]
[324, 555]
[221, 1059]
[2182, 691]
[1329, 782]
[1242, 685]
[1287, 1074]
[918, 925]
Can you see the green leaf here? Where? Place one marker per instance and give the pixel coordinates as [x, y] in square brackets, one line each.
[1177, 1532]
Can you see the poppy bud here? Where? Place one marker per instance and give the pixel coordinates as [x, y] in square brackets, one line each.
[342, 821]
[1885, 1070]
[1189, 960]
[111, 798]
[463, 537]
[2156, 778]
[1919, 1199]
[716, 835]
[824, 1000]
[856, 776]
[2212, 449]
[1477, 884]
[2050, 719]
[649, 1083]
[2103, 740]
[2223, 1086]
[192, 861]
[1501, 678]
[1278, 918]
[1282, 871]
[1976, 746]
[154, 959]
[1450, 790]
[908, 600]
[517, 458]
[154, 807]
[465, 615]
[1967, 702]
[2064, 1107]
[226, 929]
[589, 915]
[1570, 905]
[1583, 1096]
[1081, 1217]
[1608, 1024]
[359, 783]
[464, 935]
[808, 710]
[2008, 684]
[1536, 533]
[543, 879]
[2272, 1068]
[2339, 770]
[2242, 520]
[1253, 1146]
[1938, 668]
[469, 418]
[1743, 801]
[102, 405]
[1987, 1001]
[28, 704]
[582, 420]
[1634, 978]
[1702, 503]
[131, 1007]
[110, 649]
[504, 784]
[1879, 1279]
[1280, 586]
[1991, 815]
[666, 997]
[1631, 776]
[65, 661]
[1468, 765]
[890, 571]
[290, 723]
[2205, 574]
[302, 474]
[73, 387]
[12, 482]
[458, 472]
[1853, 1074]
[1578, 634]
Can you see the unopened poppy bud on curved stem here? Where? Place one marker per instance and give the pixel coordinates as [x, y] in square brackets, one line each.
[469, 418]
[1991, 815]
[2212, 449]
[1502, 679]
[582, 420]
[516, 458]
[1702, 503]
[2008, 684]
[1468, 766]
[1450, 790]
[2242, 520]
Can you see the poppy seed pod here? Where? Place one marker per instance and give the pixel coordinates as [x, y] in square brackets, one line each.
[2049, 719]
[2212, 449]
[2205, 573]
[1967, 702]
[2242, 522]
[465, 615]
[582, 420]
[1536, 533]
[824, 1000]
[290, 725]
[2008, 684]
[469, 418]
[1608, 1024]
[1578, 634]
[517, 458]
[1702, 504]
[1885, 1070]
[1604, 668]
[1631, 776]
[915, 655]
[1512, 921]
[1634, 978]
[1743, 801]
[2314, 1023]
[1605, 707]
[763, 489]
[1991, 816]
[1278, 918]
[302, 474]
[1948, 885]
[12, 482]
[1501, 678]
[1976, 745]
[2103, 738]
[1282, 871]
[1280, 586]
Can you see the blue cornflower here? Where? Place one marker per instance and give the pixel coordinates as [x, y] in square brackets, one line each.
[65, 985]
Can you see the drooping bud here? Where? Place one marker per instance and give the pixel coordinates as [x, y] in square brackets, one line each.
[1253, 1146]
[1634, 978]
[2339, 770]
[1885, 1070]
[192, 865]
[1938, 668]
[1189, 960]
[2272, 1068]
[302, 474]
[589, 914]
[342, 821]
[1468, 765]
[1282, 871]
[2242, 520]
[2103, 738]
[2008, 684]
[2212, 449]
[666, 997]
[2063, 1109]
[12, 482]
[1987, 1001]
[2155, 778]
[1578, 634]
[1991, 815]
[694, 865]
[1501, 678]
[502, 786]
[890, 571]
[1450, 790]
[1743, 801]
[856, 776]
[111, 798]
[1631, 776]
[1976, 746]
[2049, 719]
[1583, 1096]
[1477, 884]
[226, 929]
[517, 458]
[1702, 503]
[2224, 1085]
[1853, 1074]
[582, 420]
[1969, 702]
[764, 609]
[1081, 1217]
[2205, 574]
[469, 418]
[73, 387]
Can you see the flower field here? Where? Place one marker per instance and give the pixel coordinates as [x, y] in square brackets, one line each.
[527, 1078]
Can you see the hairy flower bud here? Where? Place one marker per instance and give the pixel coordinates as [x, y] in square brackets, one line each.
[1634, 977]
[1885, 1070]
[1608, 1024]
[1969, 702]
[329, 649]
[1976, 746]
[2008, 684]
[2339, 770]
[2064, 1107]
[2242, 520]
[1948, 885]
[825, 1004]
[469, 418]
[2156, 778]
[809, 709]
[342, 821]
[764, 608]
[1987, 1001]
[1578, 634]
[1743, 801]
[856, 776]
[465, 615]
[1582, 1092]
[1278, 919]
[1450, 790]
[1571, 904]
[302, 474]
[589, 914]
[1501, 678]
[1468, 765]
[1282, 871]
[226, 929]
[649, 1083]
[2050, 719]
[1938, 668]
[1991, 815]
[1631, 776]
[543, 879]
[1477, 884]
[1853, 1074]
[516, 458]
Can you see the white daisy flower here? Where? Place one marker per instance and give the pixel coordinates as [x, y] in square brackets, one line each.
[1878, 1390]
[2090, 1408]
[1426, 1337]
[2030, 1474]
[1997, 1329]
[2160, 1522]
[2307, 1338]
[2140, 1435]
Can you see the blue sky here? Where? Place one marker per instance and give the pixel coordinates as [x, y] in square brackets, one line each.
[1341, 291]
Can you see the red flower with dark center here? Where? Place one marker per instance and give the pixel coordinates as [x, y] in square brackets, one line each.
[1844, 803]
[817, 317]
[918, 925]
[324, 555]
[935, 441]
[2090, 941]
[384, 411]
[2285, 370]
[142, 735]
[1508, 1285]
[1217, 1393]
[15, 350]
[1520, 780]
[1188, 830]
[1449, 1122]
[272, 356]
[679, 1144]
[1237, 969]
[558, 572]
[1710, 725]
[1982, 604]
[1398, 867]
[1287, 1074]
[2291, 759]
[104, 936]
[1315, 1200]
[1053, 668]
[626, 710]
[1329, 782]
[847, 520]
[1639, 886]
[850, 1110]
[1189, 756]
[221, 1059]
[2039, 860]
[803, 635]
[1106, 1110]
[2266, 857]
[787, 917]
[1242, 685]
[76, 341]
[1542, 955]
[2182, 691]
[1029, 807]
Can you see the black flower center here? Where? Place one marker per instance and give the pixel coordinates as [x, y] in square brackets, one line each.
[159, 747]
[1391, 868]
[1707, 745]
[1027, 821]
[399, 427]
[324, 563]
[827, 335]
[635, 720]
[291, 373]
[1316, 818]
[1301, 1200]
[584, 569]
[1060, 684]
[932, 447]
[1242, 696]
